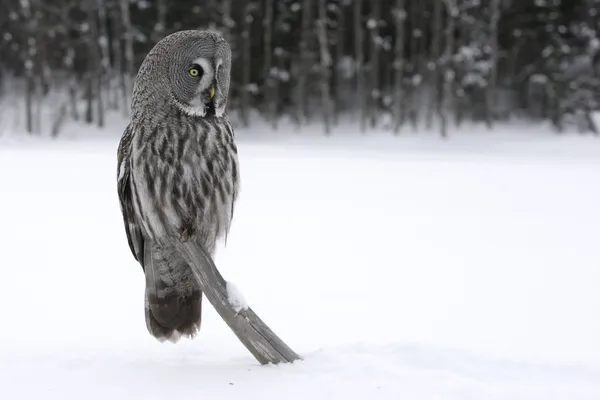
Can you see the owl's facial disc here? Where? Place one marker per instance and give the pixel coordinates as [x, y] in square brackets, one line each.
[200, 78]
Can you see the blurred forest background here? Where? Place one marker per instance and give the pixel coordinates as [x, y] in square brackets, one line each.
[385, 64]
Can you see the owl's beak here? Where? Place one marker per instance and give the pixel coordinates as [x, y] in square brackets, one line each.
[211, 91]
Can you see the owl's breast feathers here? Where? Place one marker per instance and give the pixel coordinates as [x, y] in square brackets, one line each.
[184, 178]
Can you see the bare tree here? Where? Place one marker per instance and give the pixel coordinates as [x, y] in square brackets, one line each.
[436, 45]
[116, 77]
[93, 79]
[68, 60]
[360, 61]
[304, 61]
[246, 62]
[104, 65]
[161, 20]
[414, 63]
[30, 53]
[325, 64]
[2, 80]
[339, 56]
[375, 91]
[127, 76]
[41, 71]
[400, 18]
[492, 81]
[452, 11]
[228, 22]
[268, 74]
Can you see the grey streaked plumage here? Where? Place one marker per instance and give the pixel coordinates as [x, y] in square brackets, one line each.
[177, 172]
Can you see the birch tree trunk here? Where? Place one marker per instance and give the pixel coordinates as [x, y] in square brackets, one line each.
[400, 18]
[325, 63]
[360, 60]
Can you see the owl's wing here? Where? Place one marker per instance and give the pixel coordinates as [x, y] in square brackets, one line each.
[132, 227]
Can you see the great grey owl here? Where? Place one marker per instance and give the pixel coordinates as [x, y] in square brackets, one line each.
[177, 172]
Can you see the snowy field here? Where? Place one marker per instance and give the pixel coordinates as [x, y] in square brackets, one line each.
[406, 268]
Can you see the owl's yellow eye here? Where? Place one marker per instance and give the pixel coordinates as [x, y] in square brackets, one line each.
[194, 71]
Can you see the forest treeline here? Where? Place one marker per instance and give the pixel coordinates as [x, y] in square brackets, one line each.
[393, 64]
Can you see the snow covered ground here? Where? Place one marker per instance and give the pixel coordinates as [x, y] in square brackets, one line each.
[408, 268]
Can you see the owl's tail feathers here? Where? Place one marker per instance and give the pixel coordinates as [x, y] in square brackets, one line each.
[173, 316]
[173, 304]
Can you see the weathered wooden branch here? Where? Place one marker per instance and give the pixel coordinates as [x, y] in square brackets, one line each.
[258, 338]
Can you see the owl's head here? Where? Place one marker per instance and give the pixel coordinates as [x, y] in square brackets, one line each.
[190, 69]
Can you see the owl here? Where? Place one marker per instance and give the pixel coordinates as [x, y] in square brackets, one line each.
[177, 172]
